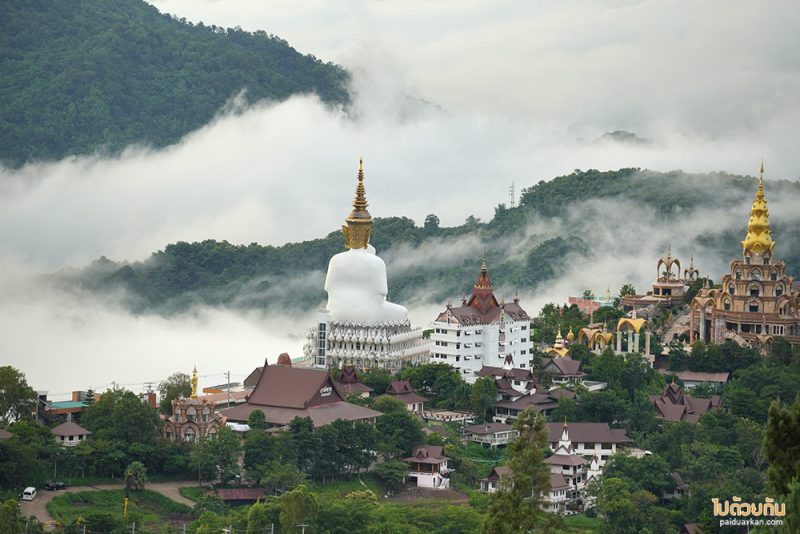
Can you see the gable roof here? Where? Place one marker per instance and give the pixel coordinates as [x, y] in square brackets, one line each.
[293, 387]
[587, 433]
[562, 366]
[674, 405]
[488, 428]
[427, 454]
[69, 429]
[514, 373]
[697, 376]
[404, 392]
[565, 459]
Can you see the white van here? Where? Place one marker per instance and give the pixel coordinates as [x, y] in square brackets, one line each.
[29, 494]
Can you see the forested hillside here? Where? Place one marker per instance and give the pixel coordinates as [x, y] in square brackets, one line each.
[529, 245]
[78, 76]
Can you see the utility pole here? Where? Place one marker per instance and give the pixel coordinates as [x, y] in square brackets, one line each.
[133, 528]
[303, 526]
[511, 194]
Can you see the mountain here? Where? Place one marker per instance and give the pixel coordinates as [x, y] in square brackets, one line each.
[582, 219]
[78, 76]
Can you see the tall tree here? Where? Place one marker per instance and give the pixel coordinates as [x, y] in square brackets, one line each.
[483, 397]
[17, 398]
[516, 506]
[782, 444]
[298, 507]
[176, 386]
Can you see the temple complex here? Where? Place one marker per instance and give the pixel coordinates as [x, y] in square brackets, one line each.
[669, 286]
[194, 418]
[756, 300]
[482, 331]
[359, 326]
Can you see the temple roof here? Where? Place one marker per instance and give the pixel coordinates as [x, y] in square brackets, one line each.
[759, 236]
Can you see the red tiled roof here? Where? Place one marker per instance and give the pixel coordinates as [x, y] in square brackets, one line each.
[562, 366]
[557, 481]
[696, 376]
[515, 373]
[674, 405]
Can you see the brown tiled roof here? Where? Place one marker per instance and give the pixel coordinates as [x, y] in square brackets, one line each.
[691, 528]
[587, 433]
[679, 483]
[5, 434]
[252, 378]
[563, 459]
[557, 481]
[499, 471]
[541, 401]
[427, 454]
[240, 494]
[403, 391]
[562, 366]
[356, 388]
[69, 429]
[293, 387]
[515, 373]
[284, 393]
[696, 376]
[674, 405]
[470, 315]
[488, 428]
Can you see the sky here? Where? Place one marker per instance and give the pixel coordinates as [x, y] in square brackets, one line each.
[453, 101]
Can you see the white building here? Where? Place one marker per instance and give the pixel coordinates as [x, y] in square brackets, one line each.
[428, 465]
[360, 326]
[589, 439]
[69, 434]
[481, 332]
[554, 501]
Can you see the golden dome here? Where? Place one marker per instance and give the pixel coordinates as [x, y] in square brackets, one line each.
[759, 237]
[570, 335]
[359, 222]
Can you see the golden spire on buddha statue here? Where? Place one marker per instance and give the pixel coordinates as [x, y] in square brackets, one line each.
[759, 237]
[359, 222]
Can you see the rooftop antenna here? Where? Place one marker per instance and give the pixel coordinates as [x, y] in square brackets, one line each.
[511, 194]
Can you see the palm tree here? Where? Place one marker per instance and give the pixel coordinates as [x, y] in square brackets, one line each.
[135, 476]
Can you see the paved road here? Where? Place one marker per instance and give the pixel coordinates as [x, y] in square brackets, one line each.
[38, 507]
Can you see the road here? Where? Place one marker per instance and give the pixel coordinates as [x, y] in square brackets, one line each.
[38, 507]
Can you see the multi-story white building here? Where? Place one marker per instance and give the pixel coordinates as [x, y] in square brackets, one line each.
[482, 331]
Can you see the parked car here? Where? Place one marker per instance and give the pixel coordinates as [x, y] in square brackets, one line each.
[29, 494]
[55, 485]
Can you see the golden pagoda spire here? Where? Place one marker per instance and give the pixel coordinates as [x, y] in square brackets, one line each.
[194, 383]
[759, 236]
[359, 222]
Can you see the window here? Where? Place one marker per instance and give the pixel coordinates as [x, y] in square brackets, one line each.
[731, 289]
[738, 275]
[524, 327]
[754, 292]
[727, 305]
[773, 276]
[779, 291]
[753, 307]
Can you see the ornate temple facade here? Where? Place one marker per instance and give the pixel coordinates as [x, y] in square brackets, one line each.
[481, 332]
[193, 418]
[757, 300]
[670, 285]
[359, 326]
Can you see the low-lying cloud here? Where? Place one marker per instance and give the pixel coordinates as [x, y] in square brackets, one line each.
[453, 102]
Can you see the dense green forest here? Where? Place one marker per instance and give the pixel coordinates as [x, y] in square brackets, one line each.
[257, 277]
[80, 76]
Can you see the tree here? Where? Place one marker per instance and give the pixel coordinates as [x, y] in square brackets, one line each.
[623, 508]
[257, 420]
[11, 518]
[515, 507]
[392, 473]
[297, 507]
[176, 386]
[483, 397]
[120, 415]
[225, 450]
[431, 223]
[135, 476]
[279, 477]
[260, 448]
[398, 431]
[627, 290]
[17, 398]
[782, 444]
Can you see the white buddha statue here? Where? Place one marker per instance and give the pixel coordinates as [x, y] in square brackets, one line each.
[356, 281]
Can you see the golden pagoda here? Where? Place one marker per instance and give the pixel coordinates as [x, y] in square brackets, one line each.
[756, 300]
[759, 237]
[359, 222]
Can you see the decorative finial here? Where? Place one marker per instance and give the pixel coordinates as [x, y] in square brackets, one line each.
[759, 236]
[483, 265]
[359, 222]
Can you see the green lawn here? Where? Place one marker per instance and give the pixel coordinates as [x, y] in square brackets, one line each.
[147, 508]
[340, 488]
[193, 492]
[579, 524]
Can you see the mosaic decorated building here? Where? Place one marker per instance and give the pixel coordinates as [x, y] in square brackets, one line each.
[756, 300]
